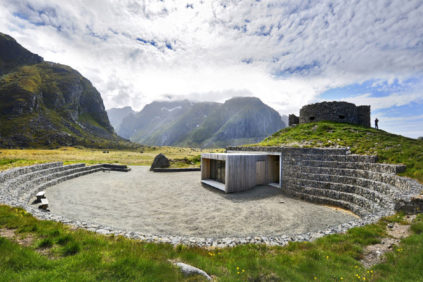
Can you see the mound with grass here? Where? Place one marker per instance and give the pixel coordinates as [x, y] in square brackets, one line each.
[389, 148]
[48, 104]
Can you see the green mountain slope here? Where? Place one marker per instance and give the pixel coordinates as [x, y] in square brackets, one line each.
[389, 148]
[48, 104]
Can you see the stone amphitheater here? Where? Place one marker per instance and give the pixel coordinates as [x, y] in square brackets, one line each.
[325, 176]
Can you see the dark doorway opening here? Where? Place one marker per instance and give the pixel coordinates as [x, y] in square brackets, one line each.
[217, 170]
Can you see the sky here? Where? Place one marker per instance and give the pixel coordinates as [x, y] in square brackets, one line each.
[287, 53]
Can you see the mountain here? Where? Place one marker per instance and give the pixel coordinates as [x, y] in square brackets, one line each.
[116, 116]
[240, 120]
[48, 104]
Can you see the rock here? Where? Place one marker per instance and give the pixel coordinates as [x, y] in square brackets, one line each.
[191, 270]
[160, 161]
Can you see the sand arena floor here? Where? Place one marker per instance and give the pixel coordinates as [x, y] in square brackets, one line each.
[177, 204]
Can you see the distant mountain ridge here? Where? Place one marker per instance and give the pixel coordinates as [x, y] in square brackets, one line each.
[48, 104]
[116, 116]
[239, 120]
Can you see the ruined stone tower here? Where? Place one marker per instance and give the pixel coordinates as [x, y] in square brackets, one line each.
[333, 111]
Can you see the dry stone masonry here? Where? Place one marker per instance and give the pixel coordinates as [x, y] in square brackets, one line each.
[327, 176]
[335, 177]
[333, 111]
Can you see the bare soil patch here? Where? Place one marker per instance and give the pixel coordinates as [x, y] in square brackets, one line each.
[373, 254]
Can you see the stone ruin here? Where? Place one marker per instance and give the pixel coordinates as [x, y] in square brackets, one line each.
[333, 111]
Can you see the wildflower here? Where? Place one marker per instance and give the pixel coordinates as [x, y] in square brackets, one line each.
[315, 278]
[243, 270]
[327, 257]
[356, 266]
[342, 278]
[364, 278]
[237, 268]
[238, 272]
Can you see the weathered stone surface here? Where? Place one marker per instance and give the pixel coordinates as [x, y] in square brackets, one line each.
[160, 161]
[293, 119]
[191, 270]
[333, 111]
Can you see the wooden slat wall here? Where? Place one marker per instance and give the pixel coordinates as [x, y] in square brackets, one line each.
[241, 170]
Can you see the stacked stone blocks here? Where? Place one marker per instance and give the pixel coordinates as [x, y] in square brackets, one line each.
[336, 177]
[333, 111]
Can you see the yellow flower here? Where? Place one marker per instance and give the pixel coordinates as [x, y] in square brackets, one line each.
[243, 270]
[342, 278]
[356, 266]
[238, 272]
[237, 268]
[315, 278]
[327, 257]
[364, 278]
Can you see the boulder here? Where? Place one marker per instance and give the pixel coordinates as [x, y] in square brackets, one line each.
[160, 161]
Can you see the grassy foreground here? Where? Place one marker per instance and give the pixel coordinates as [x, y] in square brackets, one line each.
[389, 148]
[183, 157]
[50, 251]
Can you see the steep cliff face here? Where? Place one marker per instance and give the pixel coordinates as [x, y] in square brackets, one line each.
[116, 116]
[238, 121]
[43, 103]
[13, 55]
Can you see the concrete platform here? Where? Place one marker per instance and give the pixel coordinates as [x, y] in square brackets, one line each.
[177, 204]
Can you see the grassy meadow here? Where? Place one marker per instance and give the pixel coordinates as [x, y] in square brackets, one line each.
[36, 250]
[182, 157]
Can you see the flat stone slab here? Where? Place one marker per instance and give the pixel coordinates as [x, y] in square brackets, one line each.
[177, 204]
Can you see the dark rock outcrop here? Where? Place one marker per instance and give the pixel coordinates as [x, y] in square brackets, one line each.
[13, 55]
[47, 104]
[160, 161]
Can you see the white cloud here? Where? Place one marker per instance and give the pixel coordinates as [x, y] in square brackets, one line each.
[295, 49]
[384, 102]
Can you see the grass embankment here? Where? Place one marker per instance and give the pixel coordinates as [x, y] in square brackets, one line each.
[45, 250]
[180, 157]
[389, 148]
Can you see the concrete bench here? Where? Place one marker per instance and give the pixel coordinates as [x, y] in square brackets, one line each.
[44, 204]
[40, 195]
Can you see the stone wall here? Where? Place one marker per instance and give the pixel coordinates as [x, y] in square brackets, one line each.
[293, 119]
[335, 177]
[333, 111]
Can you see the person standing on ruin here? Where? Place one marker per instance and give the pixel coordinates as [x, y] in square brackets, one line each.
[376, 123]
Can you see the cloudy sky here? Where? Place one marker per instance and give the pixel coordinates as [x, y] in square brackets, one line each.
[288, 53]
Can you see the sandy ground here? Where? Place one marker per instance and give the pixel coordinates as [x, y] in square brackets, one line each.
[177, 204]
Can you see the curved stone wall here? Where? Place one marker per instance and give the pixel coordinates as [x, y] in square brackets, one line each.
[336, 177]
[333, 111]
[328, 176]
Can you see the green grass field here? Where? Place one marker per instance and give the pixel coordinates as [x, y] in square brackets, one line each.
[50, 251]
[182, 157]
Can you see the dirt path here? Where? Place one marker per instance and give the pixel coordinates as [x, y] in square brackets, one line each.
[373, 254]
